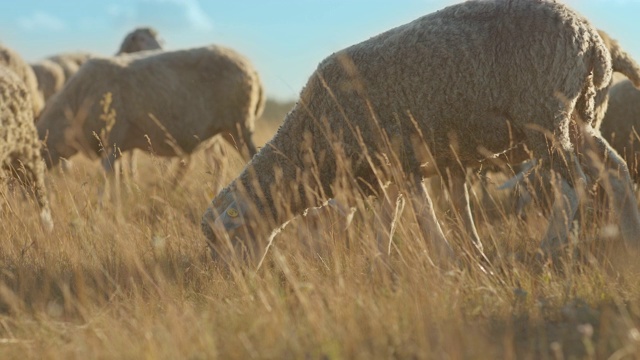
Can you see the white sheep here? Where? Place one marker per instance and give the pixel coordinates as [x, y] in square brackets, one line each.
[50, 78]
[440, 94]
[19, 143]
[621, 124]
[70, 62]
[140, 39]
[14, 62]
[166, 103]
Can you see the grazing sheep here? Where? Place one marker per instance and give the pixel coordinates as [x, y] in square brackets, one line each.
[19, 144]
[440, 94]
[140, 39]
[14, 62]
[163, 102]
[70, 62]
[50, 77]
[621, 124]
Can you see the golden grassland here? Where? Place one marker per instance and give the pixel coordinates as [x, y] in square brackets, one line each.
[136, 281]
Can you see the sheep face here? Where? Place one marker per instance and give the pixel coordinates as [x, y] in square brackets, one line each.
[225, 225]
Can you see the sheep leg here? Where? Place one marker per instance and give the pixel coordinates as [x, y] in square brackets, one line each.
[35, 174]
[241, 139]
[251, 149]
[563, 211]
[111, 178]
[602, 162]
[183, 166]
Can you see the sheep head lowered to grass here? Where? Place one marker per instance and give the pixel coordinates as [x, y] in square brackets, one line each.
[469, 81]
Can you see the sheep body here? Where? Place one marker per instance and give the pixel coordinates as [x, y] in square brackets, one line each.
[70, 62]
[14, 62]
[166, 102]
[19, 143]
[621, 124]
[466, 81]
[50, 78]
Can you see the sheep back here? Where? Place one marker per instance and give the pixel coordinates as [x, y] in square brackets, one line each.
[14, 62]
[70, 62]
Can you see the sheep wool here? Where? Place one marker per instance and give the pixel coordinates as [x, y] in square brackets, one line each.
[469, 81]
[14, 62]
[70, 62]
[50, 77]
[164, 102]
[19, 143]
[621, 124]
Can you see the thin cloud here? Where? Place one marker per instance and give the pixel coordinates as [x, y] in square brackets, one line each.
[173, 14]
[39, 21]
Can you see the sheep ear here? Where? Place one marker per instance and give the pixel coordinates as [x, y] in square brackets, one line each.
[232, 217]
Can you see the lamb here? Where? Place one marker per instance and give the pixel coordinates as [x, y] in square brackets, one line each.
[440, 94]
[140, 39]
[621, 124]
[163, 102]
[14, 62]
[19, 143]
[50, 78]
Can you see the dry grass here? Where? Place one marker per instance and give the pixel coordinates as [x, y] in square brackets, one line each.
[139, 283]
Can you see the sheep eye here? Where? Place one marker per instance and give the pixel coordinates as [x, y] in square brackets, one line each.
[231, 212]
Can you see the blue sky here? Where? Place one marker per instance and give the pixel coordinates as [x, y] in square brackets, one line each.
[285, 39]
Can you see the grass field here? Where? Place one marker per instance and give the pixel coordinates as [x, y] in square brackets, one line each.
[136, 281]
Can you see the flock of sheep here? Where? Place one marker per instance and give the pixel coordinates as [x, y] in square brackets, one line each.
[500, 82]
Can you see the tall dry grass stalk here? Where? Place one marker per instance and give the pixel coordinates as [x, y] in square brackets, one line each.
[145, 287]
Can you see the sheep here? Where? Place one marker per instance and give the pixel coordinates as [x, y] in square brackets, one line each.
[621, 124]
[623, 65]
[140, 39]
[449, 91]
[19, 143]
[70, 62]
[163, 102]
[50, 78]
[14, 62]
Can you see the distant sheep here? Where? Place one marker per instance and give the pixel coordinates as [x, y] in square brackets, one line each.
[621, 124]
[70, 62]
[140, 39]
[50, 77]
[440, 94]
[19, 143]
[14, 62]
[164, 102]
